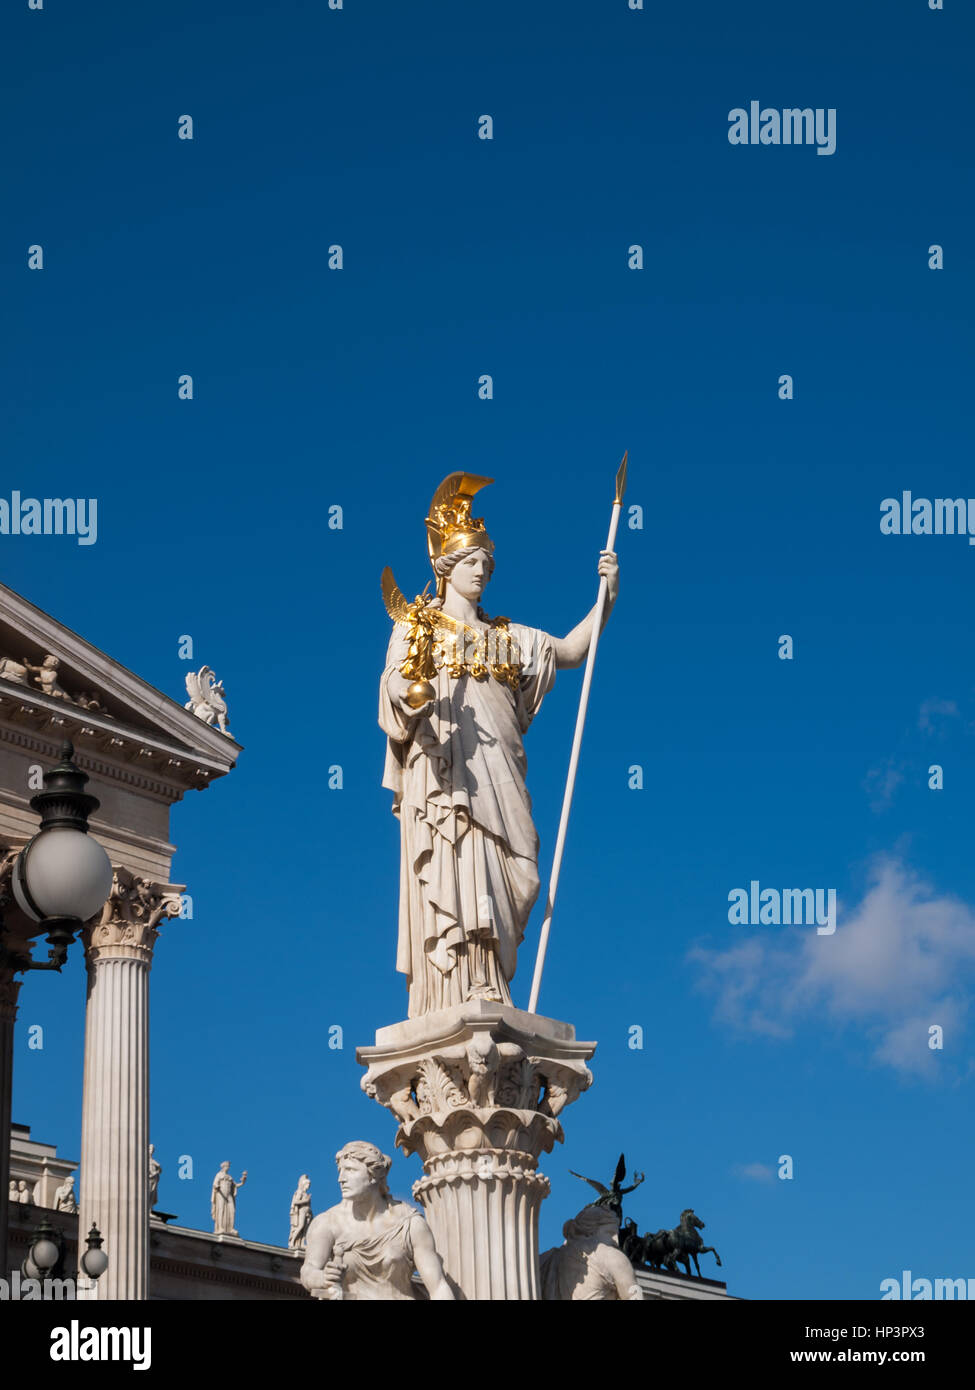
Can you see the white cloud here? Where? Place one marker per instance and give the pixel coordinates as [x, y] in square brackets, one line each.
[906, 1046]
[933, 711]
[882, 781]
[755, 1172]
[900, 961]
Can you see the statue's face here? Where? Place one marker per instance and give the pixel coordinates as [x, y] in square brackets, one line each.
[354, 1177]
[470, 576]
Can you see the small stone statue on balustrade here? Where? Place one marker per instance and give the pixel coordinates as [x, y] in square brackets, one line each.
[64, 1196]
[300, 1214]
[155, 1172]
[223, 1200]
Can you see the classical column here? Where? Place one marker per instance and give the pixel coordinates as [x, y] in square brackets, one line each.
[115, 1103]
[16, 953]
[9, 989]
[478, 1089]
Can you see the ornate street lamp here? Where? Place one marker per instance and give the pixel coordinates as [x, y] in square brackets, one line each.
[94, 1261]
[45, 1254]
[62, 876]
[60, 879]
[45, 1258]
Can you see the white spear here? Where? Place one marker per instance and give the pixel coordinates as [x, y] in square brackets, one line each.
[597, 622]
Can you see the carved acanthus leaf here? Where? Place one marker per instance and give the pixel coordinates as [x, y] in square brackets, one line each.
[132, 911]
[520, 1085]
[439, 1087]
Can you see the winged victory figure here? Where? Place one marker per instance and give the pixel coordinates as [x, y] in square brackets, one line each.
[612, 1197]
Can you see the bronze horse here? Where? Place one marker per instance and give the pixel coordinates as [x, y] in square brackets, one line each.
[667, 1249]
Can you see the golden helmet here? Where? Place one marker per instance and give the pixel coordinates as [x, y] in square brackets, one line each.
[450, 526]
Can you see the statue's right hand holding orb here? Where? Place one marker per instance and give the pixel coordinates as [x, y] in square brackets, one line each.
[405, 692]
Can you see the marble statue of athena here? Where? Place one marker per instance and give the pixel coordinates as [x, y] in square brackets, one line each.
[456, 697]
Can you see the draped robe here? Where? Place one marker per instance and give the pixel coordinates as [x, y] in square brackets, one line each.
[379, 1262]
[223, 1204]
[469, 850]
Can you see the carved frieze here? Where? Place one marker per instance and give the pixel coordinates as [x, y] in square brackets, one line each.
[47, 678]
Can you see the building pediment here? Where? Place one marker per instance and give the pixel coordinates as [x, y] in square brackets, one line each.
[55, 685]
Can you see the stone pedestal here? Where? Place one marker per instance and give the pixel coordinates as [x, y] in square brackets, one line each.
[478, 1090]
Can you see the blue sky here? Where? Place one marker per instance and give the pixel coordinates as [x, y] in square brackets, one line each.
[358, 388]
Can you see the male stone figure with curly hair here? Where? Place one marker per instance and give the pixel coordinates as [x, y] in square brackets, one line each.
[368, 1245]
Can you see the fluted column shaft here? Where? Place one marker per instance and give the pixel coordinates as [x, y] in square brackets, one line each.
[115, 1104]
[115, 1116]
[9, 989]
[482, 1209]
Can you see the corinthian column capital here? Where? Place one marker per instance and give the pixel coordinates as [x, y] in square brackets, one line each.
[478, 1090]
[127, 927]
[14, 948]
[9, 990]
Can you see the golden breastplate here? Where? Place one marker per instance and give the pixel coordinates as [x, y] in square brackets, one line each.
[466, 651]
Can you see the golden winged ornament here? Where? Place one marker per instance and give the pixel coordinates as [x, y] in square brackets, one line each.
[437, 640]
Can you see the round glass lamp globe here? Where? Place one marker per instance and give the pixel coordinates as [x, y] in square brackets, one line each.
[94, 1263]
[45, 1255]
[68, 875]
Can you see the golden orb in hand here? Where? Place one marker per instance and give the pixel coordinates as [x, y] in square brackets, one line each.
[419, 693]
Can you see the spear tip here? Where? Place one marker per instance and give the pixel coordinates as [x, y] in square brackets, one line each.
[621, 479]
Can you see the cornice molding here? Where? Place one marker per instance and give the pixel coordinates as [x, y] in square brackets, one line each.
[41, 728]
[219, 1274]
